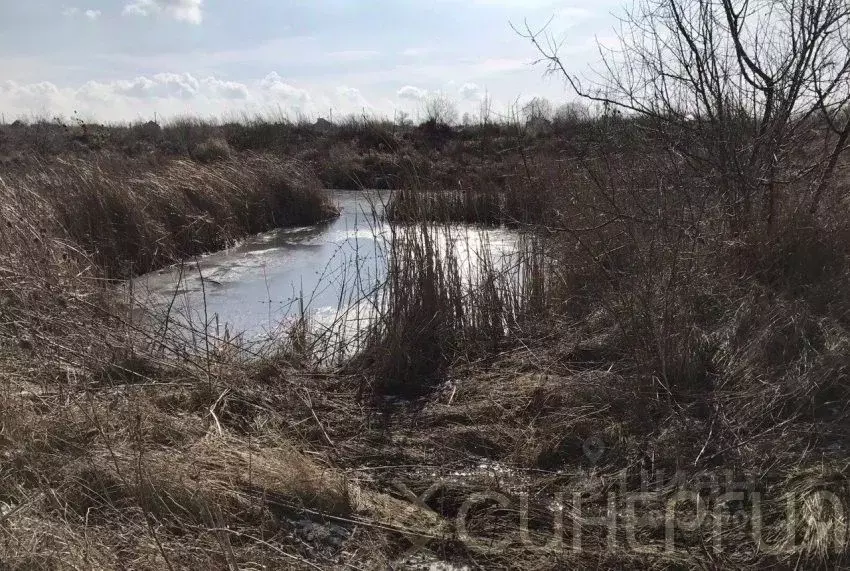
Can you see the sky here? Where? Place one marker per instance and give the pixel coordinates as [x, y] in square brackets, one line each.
[135, 60]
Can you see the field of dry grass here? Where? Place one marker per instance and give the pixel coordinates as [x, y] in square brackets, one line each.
[351, 154]
[654, 386]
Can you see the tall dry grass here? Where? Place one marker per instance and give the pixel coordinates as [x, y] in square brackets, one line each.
[132, 217]
[452, 293]
[689, 346]
[517, 199]
[631, 313]
[116, 454]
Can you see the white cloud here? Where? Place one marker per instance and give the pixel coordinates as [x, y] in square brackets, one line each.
[411, 92]
[470, 92]
[227, 89]
[186, 10]
[73, 11]
[140, 8]
[139, 87]
[349, 98]
[350, 93]
[42, 88]
[274, 85]
[181, 10]
[162, 92]
[42, 99]
[165, 93]
[170, 94]
[182, 85]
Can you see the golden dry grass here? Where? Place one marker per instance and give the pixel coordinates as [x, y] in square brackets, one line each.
[131, 217]
[647, 350]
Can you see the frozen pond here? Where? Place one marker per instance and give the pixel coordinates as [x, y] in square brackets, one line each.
[260, 286]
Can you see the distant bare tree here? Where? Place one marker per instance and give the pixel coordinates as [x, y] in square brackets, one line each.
[440, 109]
[572, 112]
[485, 109]
[537, 110]
[748, 86]
[402, 118]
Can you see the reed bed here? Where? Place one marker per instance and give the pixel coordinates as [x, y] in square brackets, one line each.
[132, 217]
[637, 373]
[515, 204]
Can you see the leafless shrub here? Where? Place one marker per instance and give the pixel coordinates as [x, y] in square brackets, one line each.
[440, 110]
[743, 91]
